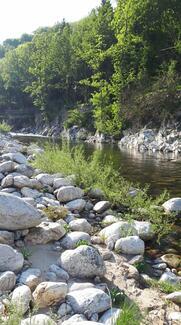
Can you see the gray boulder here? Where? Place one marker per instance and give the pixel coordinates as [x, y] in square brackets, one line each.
[7, 281]
[16, 214]
[91, 300]
[173, 205]
[10, 259]
[82, 262]
[72, 238]
[69, 193]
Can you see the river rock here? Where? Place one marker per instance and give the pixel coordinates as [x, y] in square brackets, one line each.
[116, 231]
[109, 220]
[45, 179]
[172, 260]
[64, 310]
[130, 245]
[40, 319]
[110, 316]
[16, 157]
[31, 277]
[28, 192]
[10, 259]
[59, 182]
[175, 316]
[144, 229]
[7, 181]
[91, 300]
[82, 262]
[22, 181]
[7, 281]
[60, 273]
[7, 167]
[80, 225]
[21, 298]
[174, 297]
[72, 238]
[6, 237]
[173, 205]
[169, 277]
[16, 214]
[24, 170]
[76, 205]
[49, 293]
[101, 206]
[45, 233]
[69, 193]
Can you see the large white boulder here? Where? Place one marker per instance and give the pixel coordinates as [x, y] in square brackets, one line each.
[144, 229]
[173, 205]
[72, 238]
[82, 262]
[91, 300]
[45, 233]
[49, 293]
[130, 245]
[21, 298]
[16, 214]
[10, 259]
[69, 193]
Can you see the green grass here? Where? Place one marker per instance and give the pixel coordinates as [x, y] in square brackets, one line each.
[129, 315]
[96, 172]
[165, 286]
[5, 127]
[82, 242]
[26, 253]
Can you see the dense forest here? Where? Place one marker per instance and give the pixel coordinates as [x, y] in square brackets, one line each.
[116, 68]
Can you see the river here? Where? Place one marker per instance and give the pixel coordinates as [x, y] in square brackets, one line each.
[159, 171]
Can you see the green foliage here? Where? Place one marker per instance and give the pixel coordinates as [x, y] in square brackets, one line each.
[80, 117]
[55, 213]
[26, 252]
[142, 267]
[5, 127]
[164, 286]
[82, 242]
[117, 296]
[124, 62]
[67, 228]
[129, 314]
[13, 316]
[96, 172]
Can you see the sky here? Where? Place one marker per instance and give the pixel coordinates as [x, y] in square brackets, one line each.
[25, 16]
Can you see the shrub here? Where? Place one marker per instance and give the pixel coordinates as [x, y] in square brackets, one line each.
[13, 316]
[55, 213]
[5, 127]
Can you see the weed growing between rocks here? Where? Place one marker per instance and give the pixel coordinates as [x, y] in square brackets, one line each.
[82, 242]
[129, 314]
[164, 286]
[55, 213]
[95, 172]
[13, 316]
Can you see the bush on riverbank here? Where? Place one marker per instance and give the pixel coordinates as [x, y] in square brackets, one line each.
[95, 172]
[5, 127]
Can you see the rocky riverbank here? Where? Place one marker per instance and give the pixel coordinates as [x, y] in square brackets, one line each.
[70, 255]
[166, 139]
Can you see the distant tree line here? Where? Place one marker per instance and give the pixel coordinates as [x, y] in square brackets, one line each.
[123, 63]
